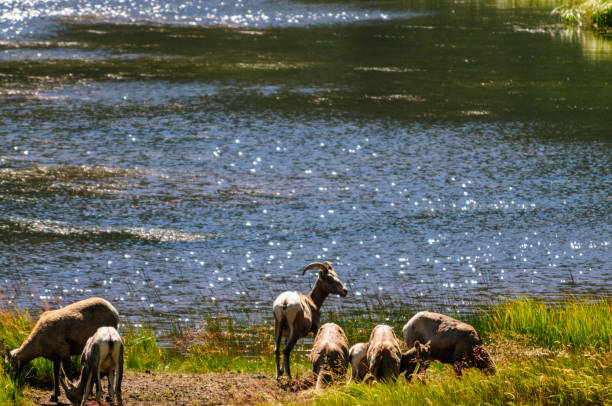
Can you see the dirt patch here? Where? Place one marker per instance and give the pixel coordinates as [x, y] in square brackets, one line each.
[184, 389]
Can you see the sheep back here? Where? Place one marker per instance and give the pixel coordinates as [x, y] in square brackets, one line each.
[383, 355]
[72, 324]
[330, 350]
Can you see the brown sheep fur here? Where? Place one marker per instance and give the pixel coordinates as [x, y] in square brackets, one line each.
[60, 333]
[447, 340]
[329, 354]
[383, 354]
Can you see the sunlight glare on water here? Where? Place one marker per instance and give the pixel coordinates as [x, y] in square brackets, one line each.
[29, 18]
[187, 159]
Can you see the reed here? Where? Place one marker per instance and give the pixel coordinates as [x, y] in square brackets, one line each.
[594, 14]
[575, 323]
[15, 326]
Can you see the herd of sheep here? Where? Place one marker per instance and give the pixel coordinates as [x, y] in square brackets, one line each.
[89, 328]
[429, 336]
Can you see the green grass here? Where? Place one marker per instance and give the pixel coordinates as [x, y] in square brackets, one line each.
[574, 380]
[579, 324]
[595, 14]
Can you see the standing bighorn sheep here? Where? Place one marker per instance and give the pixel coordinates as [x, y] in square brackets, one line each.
[383, 354]
[60, 333]
[103, 353]
[329, 354]
[296, 314]
[447, 340]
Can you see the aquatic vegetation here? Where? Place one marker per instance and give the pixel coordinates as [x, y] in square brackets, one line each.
[76, 181]
[595, 14]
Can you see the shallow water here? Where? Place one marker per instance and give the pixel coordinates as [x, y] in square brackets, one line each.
[187, 160]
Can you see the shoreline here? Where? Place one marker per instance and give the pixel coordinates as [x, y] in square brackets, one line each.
[203, 365]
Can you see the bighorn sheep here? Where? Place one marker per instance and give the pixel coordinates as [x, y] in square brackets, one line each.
[447, 340]
[329, 354]
[296, 314]
[357, 358]
[383, 354]
[103, 353]
[60, 333]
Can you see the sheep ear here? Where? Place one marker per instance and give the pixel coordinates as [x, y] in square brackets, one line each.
[323, 272]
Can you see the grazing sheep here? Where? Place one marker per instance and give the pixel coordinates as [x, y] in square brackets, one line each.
[358, 360]
[383, 354]
[410, 360]
[357, 357]
[60, 333]
[329, 354]
[103, 353]
[447, 340]
[296, 314]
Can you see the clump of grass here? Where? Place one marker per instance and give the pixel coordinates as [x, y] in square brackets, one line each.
[576, 323]
[540, 381]
[595, 14]
[142, 351]
[15, 326]
[10, 391]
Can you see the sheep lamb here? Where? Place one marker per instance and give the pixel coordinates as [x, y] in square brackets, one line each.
[358, 360]
[103, 353]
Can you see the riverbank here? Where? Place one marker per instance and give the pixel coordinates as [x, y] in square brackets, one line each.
[545, 354]
[592, 14]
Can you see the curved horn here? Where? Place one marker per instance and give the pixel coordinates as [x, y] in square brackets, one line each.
[314, 265]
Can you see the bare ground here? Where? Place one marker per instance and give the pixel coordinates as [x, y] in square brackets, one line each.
[185, 389]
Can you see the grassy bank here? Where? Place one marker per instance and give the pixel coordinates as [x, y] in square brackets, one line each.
[593, 14]
[545, 354]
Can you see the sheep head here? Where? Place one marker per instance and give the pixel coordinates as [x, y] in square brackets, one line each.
[328, 278]
[418, 355]
[10, 360]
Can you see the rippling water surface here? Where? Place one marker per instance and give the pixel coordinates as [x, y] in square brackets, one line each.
[188, 158]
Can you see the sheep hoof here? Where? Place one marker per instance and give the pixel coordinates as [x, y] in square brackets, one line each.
[54, 398]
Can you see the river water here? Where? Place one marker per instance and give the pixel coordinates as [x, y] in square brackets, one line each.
[186, 159]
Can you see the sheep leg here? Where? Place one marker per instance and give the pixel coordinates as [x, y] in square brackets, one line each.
[277, 341]
[99, 384]
[461, 357]
[118, 378]
[88, 387]
[56, 390]
[293, 337]
[111, 390]
[63, 357]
